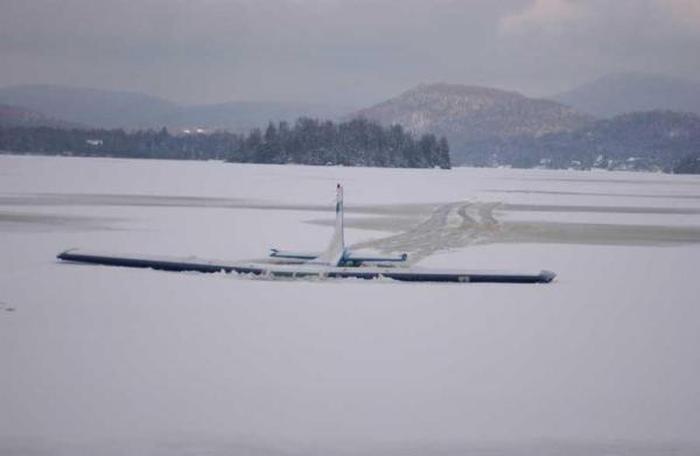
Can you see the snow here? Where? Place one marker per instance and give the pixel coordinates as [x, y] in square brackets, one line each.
[119, 361]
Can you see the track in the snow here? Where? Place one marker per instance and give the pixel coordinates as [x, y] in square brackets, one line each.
[452, 225]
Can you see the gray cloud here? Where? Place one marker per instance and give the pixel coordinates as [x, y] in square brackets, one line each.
[340, 51]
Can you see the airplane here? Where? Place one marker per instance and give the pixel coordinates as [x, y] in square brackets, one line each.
[336, 254]
[336, 261]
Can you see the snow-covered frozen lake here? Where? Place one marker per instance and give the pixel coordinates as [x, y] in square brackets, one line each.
[99, 360]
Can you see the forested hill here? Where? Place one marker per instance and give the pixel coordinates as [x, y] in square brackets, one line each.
[310, 142]
[644, 141]
[471, 115]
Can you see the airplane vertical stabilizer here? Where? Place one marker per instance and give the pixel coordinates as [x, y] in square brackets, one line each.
[333, 255]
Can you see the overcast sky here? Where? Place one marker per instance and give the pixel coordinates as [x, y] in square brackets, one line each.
[350, 52]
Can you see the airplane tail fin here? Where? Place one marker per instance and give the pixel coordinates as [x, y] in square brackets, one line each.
[333, 255]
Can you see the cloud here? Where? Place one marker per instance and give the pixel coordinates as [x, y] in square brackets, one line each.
[686, 12]
[543, 14]
[345, 51]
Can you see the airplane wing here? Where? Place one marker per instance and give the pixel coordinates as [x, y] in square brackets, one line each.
[293, 255]
[356, 258]
[305, 270]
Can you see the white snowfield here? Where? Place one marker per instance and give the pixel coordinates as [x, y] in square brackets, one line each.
[117, 361]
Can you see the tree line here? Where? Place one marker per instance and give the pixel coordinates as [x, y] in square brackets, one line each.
[357, 142]
[651, 141]
[689, 165]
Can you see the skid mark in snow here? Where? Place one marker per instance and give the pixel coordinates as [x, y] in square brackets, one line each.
[452, 225]
[461, 224]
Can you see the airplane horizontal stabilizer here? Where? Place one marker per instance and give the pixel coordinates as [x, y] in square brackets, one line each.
[293, 255]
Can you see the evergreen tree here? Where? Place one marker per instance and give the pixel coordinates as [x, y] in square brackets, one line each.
[357, 142]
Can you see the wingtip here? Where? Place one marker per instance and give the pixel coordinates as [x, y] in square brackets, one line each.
[547, 276]
[62, 255]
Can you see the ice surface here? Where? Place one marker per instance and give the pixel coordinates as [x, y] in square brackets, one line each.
[99, 360]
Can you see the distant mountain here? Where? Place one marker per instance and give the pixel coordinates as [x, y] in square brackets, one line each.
[15, 116]
[468, 115]
[241, 116]
[651, 140]
[132, 110]
[92, 107]
[628, 92]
